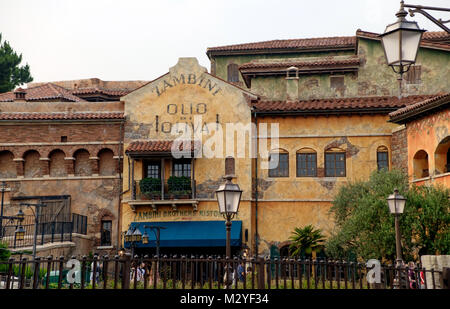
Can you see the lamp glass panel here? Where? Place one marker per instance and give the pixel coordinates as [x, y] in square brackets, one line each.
[221, 201]
[410, 45]
[232, 200]
[391, 45]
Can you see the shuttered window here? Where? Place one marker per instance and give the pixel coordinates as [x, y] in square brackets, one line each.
[413, 75]
[233, 73]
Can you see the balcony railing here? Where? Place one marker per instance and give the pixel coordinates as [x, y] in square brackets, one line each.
[167, 189]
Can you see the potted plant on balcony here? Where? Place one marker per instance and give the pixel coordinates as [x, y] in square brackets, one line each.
[151, 188]
[179, 186]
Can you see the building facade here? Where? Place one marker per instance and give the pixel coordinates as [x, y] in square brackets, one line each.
[300, 118]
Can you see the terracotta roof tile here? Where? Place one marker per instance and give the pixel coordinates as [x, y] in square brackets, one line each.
[438, 39]
[311, 43]
[95, 90]
[423, 104]
[43, 92]
[160, 146]
[360, 104]
[307, 62]
[62, 116]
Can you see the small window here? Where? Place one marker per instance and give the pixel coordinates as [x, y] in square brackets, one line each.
[63, 139]
[306, 165]
[152, 170]
[182, 168]
[280, 168]
[413, 74]
[335, 164]
[382, 158]
[105, 233]
[233, 73]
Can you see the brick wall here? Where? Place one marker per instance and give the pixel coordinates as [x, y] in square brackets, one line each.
[399, 144]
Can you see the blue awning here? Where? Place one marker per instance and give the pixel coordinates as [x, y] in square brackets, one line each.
[189, 234]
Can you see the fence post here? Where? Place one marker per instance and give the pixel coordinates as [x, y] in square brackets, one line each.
[260, 263]
[37, 264]
[126, 271]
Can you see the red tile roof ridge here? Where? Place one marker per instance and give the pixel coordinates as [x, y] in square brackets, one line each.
[339, 103]
[419, 104]
[349, 40]
[59, 115]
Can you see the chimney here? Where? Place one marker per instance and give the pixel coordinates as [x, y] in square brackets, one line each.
[19, 95]
[292, 84]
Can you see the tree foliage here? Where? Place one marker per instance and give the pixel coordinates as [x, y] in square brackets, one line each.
[306, 240]
[11, 74]
[365, 227]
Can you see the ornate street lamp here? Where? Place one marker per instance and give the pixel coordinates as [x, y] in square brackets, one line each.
[396, 204]
[401, 42]
[228, 197]
[19, 233]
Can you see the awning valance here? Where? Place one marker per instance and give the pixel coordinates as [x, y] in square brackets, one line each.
[189, 234]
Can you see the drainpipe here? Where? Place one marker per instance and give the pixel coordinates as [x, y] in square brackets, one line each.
[119, 220]
[256, 185]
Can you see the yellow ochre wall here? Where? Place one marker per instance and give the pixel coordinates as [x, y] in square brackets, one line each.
[282, 203]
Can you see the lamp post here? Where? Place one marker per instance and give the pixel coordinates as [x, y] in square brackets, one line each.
[157, 231]
[228, 197]
[400, 43]
[396, 204]
[133, 236]
[36, 222]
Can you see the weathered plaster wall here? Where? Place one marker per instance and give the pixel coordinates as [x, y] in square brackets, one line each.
[430, 134]
[374, 77]
[94, 197]
[190, 97]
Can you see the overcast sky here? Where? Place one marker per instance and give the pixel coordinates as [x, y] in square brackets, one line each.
[140, 40]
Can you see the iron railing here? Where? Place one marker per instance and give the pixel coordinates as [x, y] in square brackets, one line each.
[166, 189]
[205, 273]
[49, 230]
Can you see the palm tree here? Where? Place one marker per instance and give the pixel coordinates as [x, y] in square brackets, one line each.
[307, 240]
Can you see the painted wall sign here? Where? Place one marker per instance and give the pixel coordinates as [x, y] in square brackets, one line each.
[177, 215]
[189, 79]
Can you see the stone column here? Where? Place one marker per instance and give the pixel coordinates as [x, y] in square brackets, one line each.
[19, 167]
[45, 166]
[119, 164]
[70, 168]
[94, 165]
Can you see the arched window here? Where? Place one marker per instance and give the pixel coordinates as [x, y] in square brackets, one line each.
[306, 163]
[442, 156]
[82, 164]
[106, 164]
[335, 165]
[233, 72]
[420, 164]
[7, 166]
[32, 164]
[279, 163]
[57, 163]
[382, 158]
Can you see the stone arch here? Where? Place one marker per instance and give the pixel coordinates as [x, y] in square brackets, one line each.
[7, 166]
[442, 156]
[82, 165]
[32, 164]
[106, 162]
[57, 165]
[420, 164]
